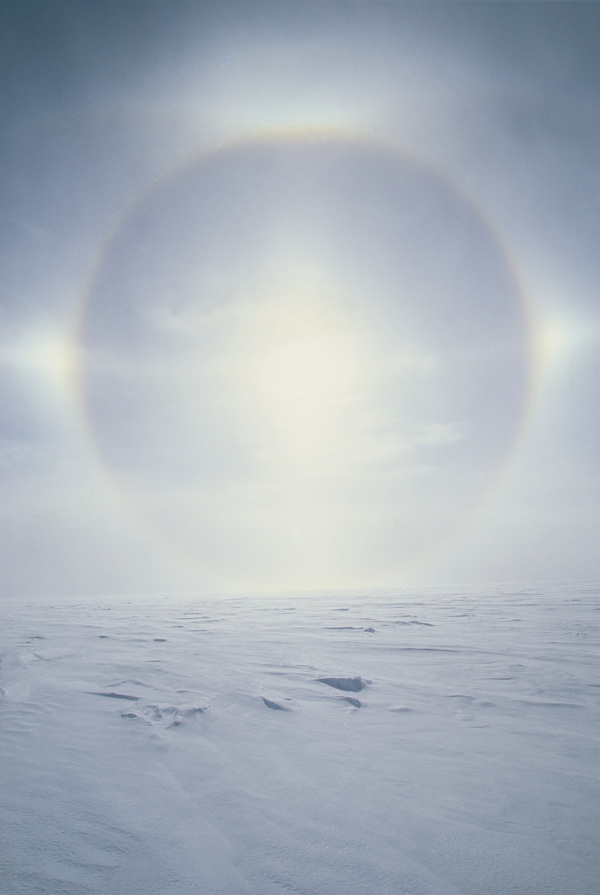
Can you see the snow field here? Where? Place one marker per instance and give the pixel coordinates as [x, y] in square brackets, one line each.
[431, 743]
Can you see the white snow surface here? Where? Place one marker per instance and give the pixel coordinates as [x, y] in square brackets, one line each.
[184, 747]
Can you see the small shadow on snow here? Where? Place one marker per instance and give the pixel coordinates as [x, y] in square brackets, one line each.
[167, 716]
[352, 684]
[353, 701]
[274, 705]
[113, 695]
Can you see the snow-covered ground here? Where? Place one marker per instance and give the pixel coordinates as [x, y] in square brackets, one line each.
[187, 747]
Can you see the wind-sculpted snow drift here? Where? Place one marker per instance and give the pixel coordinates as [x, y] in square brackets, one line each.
[221, 747]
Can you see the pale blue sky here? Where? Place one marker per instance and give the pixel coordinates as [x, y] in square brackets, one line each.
[298, 295]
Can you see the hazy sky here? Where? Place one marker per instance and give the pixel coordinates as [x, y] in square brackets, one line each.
[298, 295]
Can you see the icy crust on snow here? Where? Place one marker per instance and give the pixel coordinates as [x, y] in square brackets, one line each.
[221, 747]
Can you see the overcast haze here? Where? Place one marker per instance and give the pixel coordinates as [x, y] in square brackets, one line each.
[298, 296]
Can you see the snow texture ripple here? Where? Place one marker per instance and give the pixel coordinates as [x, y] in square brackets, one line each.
[221, 748]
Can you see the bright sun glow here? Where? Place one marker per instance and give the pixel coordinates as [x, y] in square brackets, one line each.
[301, 368]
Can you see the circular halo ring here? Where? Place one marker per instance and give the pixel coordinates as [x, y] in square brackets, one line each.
[306, 137]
